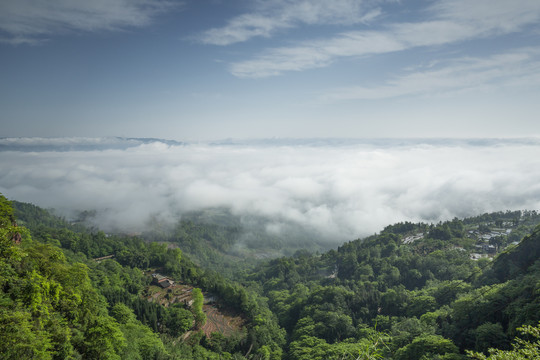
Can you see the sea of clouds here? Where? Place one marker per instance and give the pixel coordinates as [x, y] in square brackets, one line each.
[341, 189]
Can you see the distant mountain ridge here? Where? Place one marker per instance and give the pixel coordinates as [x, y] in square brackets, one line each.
[378, 142]
[65, 144]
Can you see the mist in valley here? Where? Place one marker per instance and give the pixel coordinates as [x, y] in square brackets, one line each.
[318, 192]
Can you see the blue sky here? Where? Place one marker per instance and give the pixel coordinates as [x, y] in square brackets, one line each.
[199, 70]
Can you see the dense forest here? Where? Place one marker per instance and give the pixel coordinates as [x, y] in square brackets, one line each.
[458, 289]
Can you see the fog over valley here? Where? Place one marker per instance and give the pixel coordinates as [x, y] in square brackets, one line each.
[338, 189]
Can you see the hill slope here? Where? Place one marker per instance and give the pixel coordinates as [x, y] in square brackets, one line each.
[412, 291]
[58, 301]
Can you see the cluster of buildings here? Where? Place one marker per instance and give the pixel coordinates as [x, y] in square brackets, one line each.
[412, 238]
[485, 246]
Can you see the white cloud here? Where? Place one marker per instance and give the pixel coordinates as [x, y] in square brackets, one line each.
[341, 192]
[448, 22]
[315, 54]
[28, 21]
[242, 28]
[272, 16]
[489, 15]
[517, 68]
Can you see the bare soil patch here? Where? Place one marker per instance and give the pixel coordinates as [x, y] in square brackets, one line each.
[221, 321]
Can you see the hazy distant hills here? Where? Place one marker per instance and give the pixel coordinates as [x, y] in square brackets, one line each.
[77, 144]
[64, 144]
[379, 142]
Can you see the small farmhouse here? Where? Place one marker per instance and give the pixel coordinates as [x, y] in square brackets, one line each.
[162, 281]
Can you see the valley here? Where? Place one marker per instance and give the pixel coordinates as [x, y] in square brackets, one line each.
[446, 290]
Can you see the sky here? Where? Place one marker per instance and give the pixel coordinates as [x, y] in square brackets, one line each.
[209, 69]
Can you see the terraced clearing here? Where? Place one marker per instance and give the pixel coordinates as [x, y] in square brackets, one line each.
[218, 321]
[175, 294]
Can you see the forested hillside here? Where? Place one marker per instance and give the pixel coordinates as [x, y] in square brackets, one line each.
[60, 301]
[218, 239]
[450, 290]
[415, 291]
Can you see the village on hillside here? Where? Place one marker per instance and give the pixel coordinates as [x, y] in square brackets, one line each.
[490, 238]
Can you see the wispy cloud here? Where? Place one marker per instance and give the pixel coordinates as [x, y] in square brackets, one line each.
[448, 22]
[517, 68]
[270, 17]
[316, 54]
[340, 192]
[30, 21]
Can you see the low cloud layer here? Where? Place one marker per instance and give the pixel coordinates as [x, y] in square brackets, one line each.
[342, 190]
